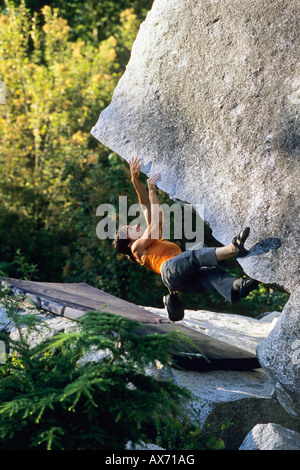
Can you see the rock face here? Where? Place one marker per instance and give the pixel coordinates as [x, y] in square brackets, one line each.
[271, 437]
[211, 98]
[243, 398]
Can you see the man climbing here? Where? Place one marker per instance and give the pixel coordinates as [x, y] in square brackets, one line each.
[191, 271]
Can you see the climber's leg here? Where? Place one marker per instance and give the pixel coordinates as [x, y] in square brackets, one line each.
[214, 279]
[225, 252]
[177, 271]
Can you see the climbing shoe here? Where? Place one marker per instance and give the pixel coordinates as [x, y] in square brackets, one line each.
[247, 285]
[239, 241]
[173, 306]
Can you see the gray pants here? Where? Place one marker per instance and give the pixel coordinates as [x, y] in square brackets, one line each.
[195, 271]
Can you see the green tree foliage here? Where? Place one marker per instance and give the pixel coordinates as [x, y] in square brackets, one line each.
[86, 389]
[94, 20]
[55, 173]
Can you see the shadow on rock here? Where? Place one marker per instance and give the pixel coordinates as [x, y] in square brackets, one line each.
[264, 246]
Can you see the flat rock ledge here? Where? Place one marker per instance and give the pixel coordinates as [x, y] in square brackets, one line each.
[243, 398]
[237, 330]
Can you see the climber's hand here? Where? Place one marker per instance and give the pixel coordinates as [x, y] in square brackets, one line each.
[134, 165]
[152, 180]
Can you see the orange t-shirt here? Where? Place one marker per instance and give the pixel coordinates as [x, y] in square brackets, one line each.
[157, 253]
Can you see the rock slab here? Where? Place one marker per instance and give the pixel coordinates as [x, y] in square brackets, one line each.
[239, 399]
[271, 437]
[210, 99]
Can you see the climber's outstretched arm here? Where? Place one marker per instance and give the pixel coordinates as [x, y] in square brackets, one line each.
[153, 231]
[142, 193]
[134, 165]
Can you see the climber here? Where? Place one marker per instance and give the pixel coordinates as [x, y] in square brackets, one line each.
[192, 271]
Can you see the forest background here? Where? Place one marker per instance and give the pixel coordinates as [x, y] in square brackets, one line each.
[60, 62]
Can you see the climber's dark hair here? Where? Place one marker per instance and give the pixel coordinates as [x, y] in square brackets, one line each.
[121, 242]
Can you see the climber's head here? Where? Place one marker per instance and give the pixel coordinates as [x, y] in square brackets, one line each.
[134, 231]
[125, 237]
